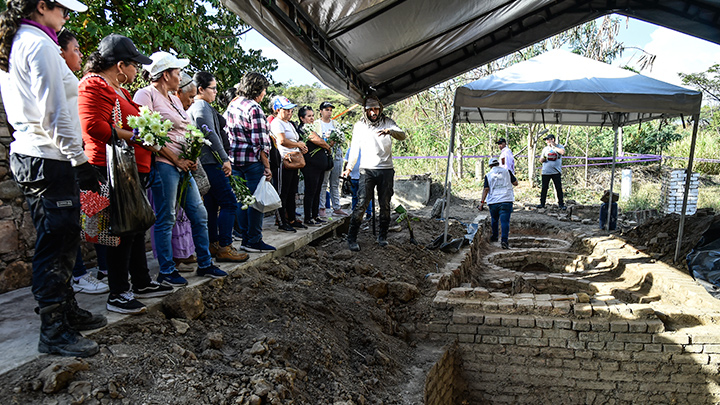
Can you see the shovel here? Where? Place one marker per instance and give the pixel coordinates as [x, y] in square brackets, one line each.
[404, 216]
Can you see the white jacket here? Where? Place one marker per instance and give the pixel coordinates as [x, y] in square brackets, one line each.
[40, 97]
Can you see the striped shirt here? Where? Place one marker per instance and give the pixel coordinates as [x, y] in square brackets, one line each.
[247, 129]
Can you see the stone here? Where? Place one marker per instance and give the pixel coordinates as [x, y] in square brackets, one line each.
[186, 303]
[437, 208]
[262, 387]
[27, 230]
[257, 349]
[8, 236]
[404, 292]
[57, 375]
[80, 390]
[377, 288]
[6, 211]
[180, 326]
[16, 275]
[254, 400]
[9, 190]
[214, 340]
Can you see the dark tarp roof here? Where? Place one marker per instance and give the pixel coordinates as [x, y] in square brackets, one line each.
[402, 47]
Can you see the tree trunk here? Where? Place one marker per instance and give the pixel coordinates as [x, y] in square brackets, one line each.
[531, 154]
[587, 153]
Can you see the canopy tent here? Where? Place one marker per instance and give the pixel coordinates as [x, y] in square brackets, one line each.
[559, 87]
[402, 47]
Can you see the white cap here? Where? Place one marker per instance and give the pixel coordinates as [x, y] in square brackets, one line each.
[493, 162]
[163, 61]
[73, 5]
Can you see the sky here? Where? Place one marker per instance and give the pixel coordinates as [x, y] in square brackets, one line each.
[676, 52]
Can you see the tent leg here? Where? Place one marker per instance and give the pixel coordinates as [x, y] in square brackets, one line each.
[616, 125]
[446, 201]
[688, 178]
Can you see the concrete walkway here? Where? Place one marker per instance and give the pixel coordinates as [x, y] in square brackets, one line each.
[20, 326]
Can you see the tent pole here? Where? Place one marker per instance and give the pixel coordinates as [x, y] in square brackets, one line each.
[446, 201]
[688, 178]
[616, 125]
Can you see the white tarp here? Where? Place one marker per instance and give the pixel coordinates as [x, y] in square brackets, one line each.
[559, 87]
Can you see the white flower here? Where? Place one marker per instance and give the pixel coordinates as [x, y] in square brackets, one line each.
[207, 142]
[155, 126]
[132, 121]
[142, 121]
[244, 207]
[167, 125]
[144, 110]
[148, 139]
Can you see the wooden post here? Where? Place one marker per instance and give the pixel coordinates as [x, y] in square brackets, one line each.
[587, 153]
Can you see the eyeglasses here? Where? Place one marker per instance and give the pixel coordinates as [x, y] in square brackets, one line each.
[135, 64]
[211, 88]
[66, 11]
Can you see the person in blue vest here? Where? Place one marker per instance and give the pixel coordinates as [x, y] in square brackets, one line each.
[499, 195]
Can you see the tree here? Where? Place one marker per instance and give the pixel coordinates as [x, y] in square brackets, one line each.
[208, 37]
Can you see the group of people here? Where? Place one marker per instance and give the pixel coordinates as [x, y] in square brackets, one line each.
[498, 184]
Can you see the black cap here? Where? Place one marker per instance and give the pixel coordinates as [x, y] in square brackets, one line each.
[551, 136]
[116, 48]
[326, 104]
[501, 140]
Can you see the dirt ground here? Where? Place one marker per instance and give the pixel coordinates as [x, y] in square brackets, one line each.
[321, 326]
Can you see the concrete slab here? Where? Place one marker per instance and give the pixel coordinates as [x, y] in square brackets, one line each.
[412, 194]
[20, 326]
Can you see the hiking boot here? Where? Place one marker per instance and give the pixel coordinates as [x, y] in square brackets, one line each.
[173, 279]
[504, 245]
[353, 246]
[188, 260]
[213, 248]
[258, 247]
[286, 228]
[87, 284]
[125, 303]
[80, 319]
[382, 241]
[58, 337]
[152, 290]
[211, 271]
[230, 254]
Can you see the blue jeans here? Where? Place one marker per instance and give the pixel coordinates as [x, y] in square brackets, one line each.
[250, 221]
[166, 188]
[500, 211]
[354, 186]
[220, 196]
[53, 196]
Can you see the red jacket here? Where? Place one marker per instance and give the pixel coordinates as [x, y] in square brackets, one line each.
[96, 100]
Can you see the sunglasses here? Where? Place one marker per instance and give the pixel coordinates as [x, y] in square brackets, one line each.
[66, 11]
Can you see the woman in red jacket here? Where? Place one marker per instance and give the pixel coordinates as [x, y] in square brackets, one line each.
[104, 103]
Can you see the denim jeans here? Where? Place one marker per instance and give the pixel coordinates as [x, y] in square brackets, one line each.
[220, 197]
[332, 178]
[166, 189]
[383, 180]
[501, 212]
[354, 186]
[250, 221]
[53, 196]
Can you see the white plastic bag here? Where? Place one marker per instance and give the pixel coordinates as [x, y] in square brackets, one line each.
[266, 198]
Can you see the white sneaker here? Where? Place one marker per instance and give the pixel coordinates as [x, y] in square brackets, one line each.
[88, 284]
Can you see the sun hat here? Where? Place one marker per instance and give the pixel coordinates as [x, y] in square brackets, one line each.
[73, 5]
[162, 61]
[493, 162]
[282, 102]
[116, 48]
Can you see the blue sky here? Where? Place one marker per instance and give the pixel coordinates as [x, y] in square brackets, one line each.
[675, 52]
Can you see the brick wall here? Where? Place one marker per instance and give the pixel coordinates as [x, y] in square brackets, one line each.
[444, 384]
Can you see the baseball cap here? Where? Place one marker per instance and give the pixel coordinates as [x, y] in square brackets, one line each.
[162, 61]
[185, 79]
[326, 104]
[550, 136]
[493, 162]
[118, 48]
[282, 102]
[73, 5]
[501, 140]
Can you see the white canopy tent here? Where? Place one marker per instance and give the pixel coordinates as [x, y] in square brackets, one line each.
[559, 87]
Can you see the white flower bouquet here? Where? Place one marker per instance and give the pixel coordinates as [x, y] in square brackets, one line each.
[149, 128]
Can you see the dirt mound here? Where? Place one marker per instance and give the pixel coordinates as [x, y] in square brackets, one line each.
[323, 325]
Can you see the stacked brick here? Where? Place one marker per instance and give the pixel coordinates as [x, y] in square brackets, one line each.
[673, 190]
[443, 383]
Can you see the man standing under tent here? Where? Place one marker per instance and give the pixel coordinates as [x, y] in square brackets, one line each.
[551, 160]
[499, 195]
[372, 141]
[332, 177]
[506, 159]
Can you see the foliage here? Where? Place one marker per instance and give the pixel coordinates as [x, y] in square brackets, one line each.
[705, 148]
[707, 82]
[650, 138]
[204, 32]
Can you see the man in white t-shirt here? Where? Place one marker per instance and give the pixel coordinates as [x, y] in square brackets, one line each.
[551, 160]
[506, 159]
[332, 177]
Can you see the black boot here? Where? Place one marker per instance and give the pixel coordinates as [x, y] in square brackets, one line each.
[352, 237]
[80, 319]
[382, 235]
[57, 337]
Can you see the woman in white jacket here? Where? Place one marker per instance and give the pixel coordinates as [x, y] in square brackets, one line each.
[40, 94]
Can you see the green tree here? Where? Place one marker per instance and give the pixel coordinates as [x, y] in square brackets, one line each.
[203, 31]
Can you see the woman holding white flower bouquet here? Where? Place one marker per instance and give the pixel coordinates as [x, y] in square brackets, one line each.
[102, 103]
[171, 169]
[218, 168]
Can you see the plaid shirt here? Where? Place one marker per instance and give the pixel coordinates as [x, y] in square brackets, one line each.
[248, 131]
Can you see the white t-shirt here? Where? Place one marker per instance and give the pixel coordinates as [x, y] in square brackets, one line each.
[278, 126]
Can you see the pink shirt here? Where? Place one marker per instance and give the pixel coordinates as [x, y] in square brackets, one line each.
[152, 98]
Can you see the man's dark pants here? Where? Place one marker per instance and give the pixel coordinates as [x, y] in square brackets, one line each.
[53, 196]
[382, 179]
[556, 179]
